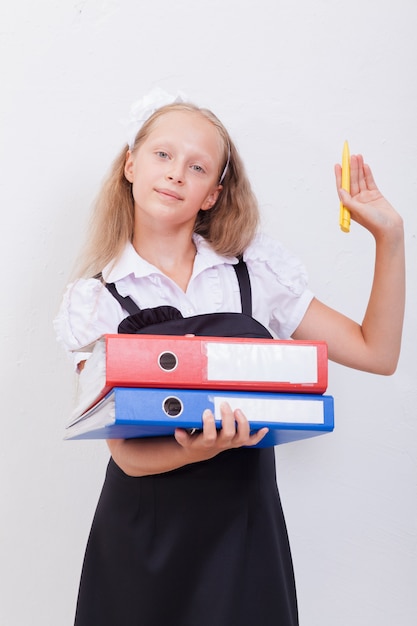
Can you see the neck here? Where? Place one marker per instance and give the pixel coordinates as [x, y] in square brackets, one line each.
[173, 254]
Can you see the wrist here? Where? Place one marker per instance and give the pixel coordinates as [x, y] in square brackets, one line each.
[390, 232]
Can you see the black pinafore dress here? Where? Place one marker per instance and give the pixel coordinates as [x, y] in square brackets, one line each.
[203, 545]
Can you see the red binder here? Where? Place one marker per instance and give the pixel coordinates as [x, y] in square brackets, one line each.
[203, 362]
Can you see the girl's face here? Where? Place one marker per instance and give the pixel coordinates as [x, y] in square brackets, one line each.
[175, 171]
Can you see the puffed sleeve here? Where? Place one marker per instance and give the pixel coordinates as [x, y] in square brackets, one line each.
[87, 312]
[280, 292]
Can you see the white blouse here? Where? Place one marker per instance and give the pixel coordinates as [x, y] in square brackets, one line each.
[280, 296]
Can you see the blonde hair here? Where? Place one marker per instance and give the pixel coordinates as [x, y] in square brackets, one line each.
[229, 226]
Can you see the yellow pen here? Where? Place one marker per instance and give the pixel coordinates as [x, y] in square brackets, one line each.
[344, 217]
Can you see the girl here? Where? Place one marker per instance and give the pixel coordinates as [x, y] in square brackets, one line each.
[189, 529]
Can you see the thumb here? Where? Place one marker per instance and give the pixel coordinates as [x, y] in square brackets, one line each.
[181, 436]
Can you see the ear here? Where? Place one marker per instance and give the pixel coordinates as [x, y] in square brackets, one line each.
[211, 199]
[129, 166]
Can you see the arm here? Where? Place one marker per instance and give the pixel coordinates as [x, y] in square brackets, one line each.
[374, 345]
[143, 457]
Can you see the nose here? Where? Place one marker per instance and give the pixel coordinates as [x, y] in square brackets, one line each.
[176, 173]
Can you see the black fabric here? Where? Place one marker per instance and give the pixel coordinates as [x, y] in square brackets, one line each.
[242, 274]
[204, 545]
[137, 322]
[127, 303]
[207, 324]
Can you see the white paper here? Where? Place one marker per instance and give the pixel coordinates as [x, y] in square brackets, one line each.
[276, 411]
[262, 363]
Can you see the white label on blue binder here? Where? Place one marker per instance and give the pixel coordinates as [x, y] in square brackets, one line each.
[274, 410]
[262, 363]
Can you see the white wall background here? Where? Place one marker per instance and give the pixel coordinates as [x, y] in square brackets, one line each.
[292, 81]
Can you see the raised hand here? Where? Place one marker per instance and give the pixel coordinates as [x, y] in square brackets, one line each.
[366, 203]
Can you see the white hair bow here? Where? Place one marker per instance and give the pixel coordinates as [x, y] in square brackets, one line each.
[142, 110]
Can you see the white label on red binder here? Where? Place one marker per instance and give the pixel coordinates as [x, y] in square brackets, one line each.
[244, 361]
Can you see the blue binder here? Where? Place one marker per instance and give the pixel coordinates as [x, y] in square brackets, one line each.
[130, 412]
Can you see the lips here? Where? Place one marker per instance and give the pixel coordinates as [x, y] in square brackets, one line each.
[169, 193]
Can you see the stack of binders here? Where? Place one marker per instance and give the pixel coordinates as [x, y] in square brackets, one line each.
[149, 385]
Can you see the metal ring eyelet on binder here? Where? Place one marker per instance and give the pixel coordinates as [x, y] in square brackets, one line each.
[172, 406]
[167, 361]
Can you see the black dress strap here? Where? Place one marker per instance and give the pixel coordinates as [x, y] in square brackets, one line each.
[125, 302]
[241, 269]
[243, 278]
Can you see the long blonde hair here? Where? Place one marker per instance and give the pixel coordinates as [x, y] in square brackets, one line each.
[229, 226]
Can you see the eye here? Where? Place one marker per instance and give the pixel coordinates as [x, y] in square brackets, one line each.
[162, 154]
[198, 168]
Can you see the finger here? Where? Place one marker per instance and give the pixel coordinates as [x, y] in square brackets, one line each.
[370, 182]
[354, 175]
[338, 175]
[243, 428]
[363, 185]
[228, 430]
[209, 428]
[255, 438]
